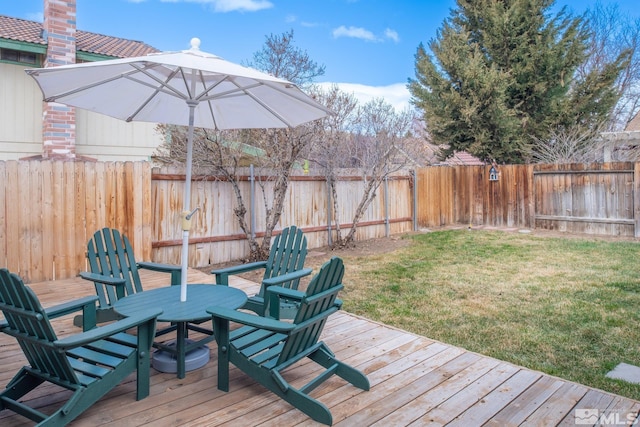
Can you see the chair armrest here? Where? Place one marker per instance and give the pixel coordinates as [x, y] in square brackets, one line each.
[250, 319]
[298, 274]
[95, 334]
[155, 266]
[100, 278]
[222, 274]
[70, 307]
[274, 293]
[175, 270]
[66, 308]
[278, 292]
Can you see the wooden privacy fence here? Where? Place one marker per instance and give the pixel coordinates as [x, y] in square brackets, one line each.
[216, 235]
[599, 198]
[50, 209]
[464, 195]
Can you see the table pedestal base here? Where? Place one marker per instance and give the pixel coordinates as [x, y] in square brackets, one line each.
[165, 361]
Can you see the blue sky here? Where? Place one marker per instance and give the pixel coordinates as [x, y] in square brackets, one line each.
[367, 46]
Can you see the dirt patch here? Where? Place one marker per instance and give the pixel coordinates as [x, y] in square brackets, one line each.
[317, 256]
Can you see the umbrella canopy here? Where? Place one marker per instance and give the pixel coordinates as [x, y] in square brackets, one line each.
[190, 88]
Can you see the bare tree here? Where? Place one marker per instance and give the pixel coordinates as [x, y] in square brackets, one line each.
[574, 145]
[614, 34]
[281, 58]
[375, 139]
[215, 153]
[223, 153]
[332, 154]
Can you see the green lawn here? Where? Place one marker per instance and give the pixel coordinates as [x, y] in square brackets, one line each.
[565, 306]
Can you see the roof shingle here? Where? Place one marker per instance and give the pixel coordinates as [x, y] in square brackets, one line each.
[31, 32]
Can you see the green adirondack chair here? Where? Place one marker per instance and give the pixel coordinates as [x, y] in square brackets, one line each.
[284, 268]
[264, 347]
[89, 364]
[114, 271]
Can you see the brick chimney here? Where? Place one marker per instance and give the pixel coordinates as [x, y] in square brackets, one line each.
[59, 121]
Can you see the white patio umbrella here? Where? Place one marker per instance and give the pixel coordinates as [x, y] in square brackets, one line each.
[190, 88]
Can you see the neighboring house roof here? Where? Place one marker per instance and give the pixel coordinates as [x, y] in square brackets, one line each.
[21, 30]
[634, 124]
[462, 158]
[459, 158]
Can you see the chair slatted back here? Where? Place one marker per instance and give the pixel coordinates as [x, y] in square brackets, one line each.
[110, 253]
[287, 254]
[29, 324]
[315, 308]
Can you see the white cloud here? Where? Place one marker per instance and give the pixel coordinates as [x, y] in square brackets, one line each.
[364, 34]
[392, 34]
[395, 94]
[354, 32]
[230, 5]
[309, 24]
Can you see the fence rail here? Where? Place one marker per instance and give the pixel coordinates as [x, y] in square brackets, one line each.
[50, 209]
[599, 198]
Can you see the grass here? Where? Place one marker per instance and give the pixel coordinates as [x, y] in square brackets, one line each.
[567, 307]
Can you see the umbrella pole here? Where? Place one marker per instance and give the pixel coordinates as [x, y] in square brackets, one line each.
[186, 214]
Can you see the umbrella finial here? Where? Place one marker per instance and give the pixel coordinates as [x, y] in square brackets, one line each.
[195, 43]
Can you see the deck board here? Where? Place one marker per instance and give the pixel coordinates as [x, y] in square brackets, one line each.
[414, 381]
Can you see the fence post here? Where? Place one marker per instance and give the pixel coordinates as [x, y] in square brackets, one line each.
[252, 201]
[636, 199]
[386, 206]
[329, 240]
[414, 202]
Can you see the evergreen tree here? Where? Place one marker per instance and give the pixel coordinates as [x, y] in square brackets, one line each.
[503, 73]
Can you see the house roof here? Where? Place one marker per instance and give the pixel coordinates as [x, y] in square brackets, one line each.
[634, 124]
[459, 158]
[464, 159]
[21, 30]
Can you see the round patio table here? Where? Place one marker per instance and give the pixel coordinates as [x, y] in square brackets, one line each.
[194, 309]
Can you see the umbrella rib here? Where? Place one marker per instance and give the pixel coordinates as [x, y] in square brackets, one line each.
[246, 91]
[53, 98]
[201, 97]
[163, 83]
[186, 83]
[157, 89]
[309, 101]
[207, 90]
[269, 109]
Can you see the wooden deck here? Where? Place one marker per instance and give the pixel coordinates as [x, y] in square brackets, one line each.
[415, 381]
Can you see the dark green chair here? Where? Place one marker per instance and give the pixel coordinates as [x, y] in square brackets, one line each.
[89, 364]
[264, 347]
[284, 268]
[114, 271]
